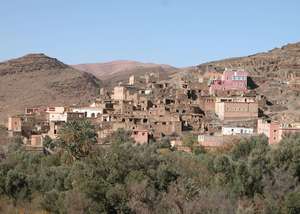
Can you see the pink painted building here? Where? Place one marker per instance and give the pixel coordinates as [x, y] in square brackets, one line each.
[233, 80]
[140, 136]
[275, 131]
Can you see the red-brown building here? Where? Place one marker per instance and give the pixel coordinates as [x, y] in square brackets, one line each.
[140, 136]
[275, 131]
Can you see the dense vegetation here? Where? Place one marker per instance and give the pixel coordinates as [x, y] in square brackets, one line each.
[249, 177]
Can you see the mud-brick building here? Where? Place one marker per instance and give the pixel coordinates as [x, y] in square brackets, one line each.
[14, 124]
[124, 107]
[57, 114]
[54, 127]
[165, 125]
[35, 110]
[125, 92]
[207, 103]
[143, 104]
[140, 136]
[236, 108]
[36, 141]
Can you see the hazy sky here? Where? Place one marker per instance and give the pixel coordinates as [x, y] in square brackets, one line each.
[176, 32]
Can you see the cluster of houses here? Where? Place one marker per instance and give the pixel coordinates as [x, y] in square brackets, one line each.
[215, 106]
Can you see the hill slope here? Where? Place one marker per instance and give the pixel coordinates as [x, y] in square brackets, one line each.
[117, 71]
[274, 72]
[38, 80]
[276, 63]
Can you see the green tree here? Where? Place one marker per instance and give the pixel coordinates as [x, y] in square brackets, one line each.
[189, 140]
[121, 136]
[53, 201]
[223, 166]
[292, 203]
[49, 143]
[165, 143]
[243, 149]
[17, 185]
[77, 137]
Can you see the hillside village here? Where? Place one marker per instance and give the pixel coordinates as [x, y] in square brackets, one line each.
[217, 106]
[150, 107]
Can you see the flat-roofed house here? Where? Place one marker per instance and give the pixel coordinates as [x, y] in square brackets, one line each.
[14, 124]
[36, 141]
[56, 114]
[89, 112]
[140, 136]
[231, 81]
[236, 108]
[237, 131]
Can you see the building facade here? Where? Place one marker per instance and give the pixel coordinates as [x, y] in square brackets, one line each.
[237, 131]
[14, 124]
[231, 81]
[236, 108]
[275, 131]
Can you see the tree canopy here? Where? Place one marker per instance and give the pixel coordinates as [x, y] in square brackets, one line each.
[251, 177]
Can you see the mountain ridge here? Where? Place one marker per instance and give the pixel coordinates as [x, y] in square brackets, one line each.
[119, 70]
[39, 80]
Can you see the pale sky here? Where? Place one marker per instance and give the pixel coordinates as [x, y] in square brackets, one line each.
[176, 32]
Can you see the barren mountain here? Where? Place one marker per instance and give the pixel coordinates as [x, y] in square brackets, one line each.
[117, 71]
[38, 80]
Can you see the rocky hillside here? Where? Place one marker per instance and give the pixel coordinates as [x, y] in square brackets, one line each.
[276, 63]
[119, 71]
[38, 80]
[276, 73]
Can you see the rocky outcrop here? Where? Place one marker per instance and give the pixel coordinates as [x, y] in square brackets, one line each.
[279, 63]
